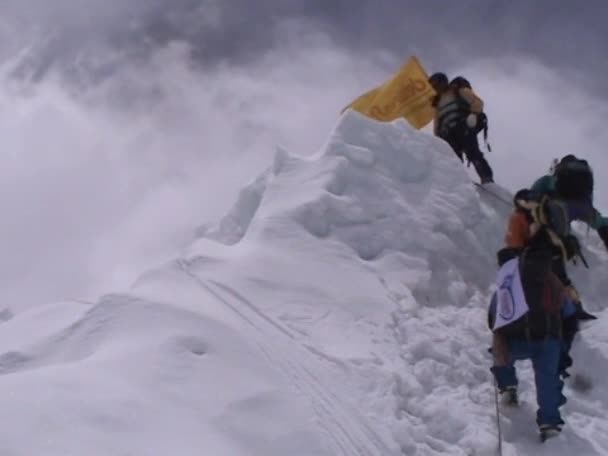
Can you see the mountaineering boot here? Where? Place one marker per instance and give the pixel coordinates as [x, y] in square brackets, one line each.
[509, 396]
[548, 431]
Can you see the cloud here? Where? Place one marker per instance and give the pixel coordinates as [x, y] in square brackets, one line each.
[99, 182]
[102, 179]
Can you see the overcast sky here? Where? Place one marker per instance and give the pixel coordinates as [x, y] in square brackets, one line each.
[564, 34]
[128, 123]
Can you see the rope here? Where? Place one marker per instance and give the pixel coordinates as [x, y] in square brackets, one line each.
[502, 200]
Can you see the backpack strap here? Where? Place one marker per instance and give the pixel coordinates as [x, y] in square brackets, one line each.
[484, 120]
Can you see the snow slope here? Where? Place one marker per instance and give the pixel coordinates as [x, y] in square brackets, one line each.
[337, 309]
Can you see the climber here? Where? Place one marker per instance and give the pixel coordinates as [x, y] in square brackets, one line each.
[458, 114]
[535, 302]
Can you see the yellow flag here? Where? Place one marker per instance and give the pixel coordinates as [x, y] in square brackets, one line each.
[361, 103]
[407, 94]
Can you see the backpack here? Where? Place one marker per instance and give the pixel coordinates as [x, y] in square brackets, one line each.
[574, 179]
[552, 217]
[460, 82]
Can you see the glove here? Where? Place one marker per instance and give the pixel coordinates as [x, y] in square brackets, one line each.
[603, 232]
[572, 294]
[472, 120]
[579, 312]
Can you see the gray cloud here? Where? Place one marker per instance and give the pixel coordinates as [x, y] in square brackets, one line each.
[98, 184]
[170, 106]
[563, 35]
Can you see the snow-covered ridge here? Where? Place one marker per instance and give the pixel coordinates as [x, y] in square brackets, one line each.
[337, 309]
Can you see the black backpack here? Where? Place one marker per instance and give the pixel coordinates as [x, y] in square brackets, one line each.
[460, 82]
[574, 179]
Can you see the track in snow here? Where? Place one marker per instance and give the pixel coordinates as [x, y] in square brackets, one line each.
[346, 430]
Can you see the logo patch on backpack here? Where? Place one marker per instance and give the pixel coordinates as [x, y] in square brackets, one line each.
[506, 301]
